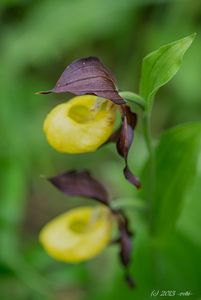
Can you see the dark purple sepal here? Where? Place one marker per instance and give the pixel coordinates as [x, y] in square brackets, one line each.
[74, 183]
[88, 76]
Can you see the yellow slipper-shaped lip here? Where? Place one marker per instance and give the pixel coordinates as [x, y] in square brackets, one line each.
[79, 125]
[77, 235]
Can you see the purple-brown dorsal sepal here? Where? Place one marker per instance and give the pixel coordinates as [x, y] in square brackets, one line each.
[125, 139]
[88, 76]
[74, 183]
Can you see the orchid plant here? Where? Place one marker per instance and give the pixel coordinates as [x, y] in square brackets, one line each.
[86, 123]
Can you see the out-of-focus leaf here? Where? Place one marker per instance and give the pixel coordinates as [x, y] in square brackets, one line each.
[175, 170]
[12, 197]
[161, 65]
[81, 183]
[88, 76]
[189, 222]
[179, 265]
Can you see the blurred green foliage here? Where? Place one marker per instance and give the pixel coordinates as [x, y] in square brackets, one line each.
[38, 39]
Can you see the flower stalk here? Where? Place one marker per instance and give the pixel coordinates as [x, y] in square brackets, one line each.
[134, 98]
[146, 123]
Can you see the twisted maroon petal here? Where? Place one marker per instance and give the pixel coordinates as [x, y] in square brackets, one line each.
[125, 244]
[123, 137]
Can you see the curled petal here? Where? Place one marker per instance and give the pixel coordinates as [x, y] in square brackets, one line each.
[81, 183]
[123, 137]
[78, 235]
[125, 243]
[125, 240]
[126, 134]
[88, 76]
[129, 121]
[126, 247]
[131, 177]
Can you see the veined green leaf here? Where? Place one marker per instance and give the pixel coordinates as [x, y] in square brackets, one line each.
[160, 66]
[175, 171]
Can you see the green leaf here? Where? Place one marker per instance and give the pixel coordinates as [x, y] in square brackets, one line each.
[160, 66]
[179, 265]
[189, 222]
[176, 159]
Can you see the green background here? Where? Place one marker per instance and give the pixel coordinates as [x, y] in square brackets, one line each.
[38, 39]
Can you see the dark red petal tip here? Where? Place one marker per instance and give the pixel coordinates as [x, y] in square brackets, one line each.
[131, 177]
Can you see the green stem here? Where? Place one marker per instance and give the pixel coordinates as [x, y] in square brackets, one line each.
[134, 98]
[150, 186]
[129, 202]
[151, 183]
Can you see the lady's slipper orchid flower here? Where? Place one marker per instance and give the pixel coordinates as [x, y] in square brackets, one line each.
[78, 235]
[80, 125]
[84, 232]
[73, 129]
